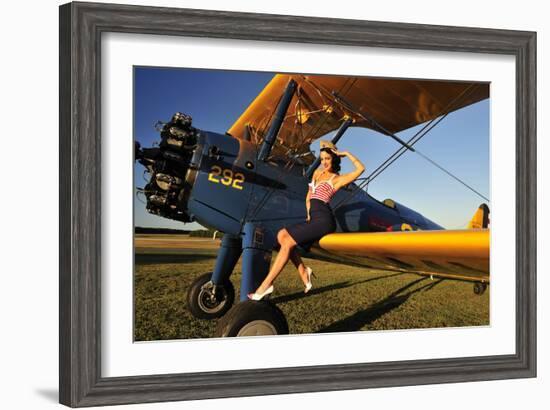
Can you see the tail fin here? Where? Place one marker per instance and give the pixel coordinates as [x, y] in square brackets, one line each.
[480, 218]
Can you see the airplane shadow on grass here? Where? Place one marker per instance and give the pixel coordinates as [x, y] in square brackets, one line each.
[323, 289]
[377, 310]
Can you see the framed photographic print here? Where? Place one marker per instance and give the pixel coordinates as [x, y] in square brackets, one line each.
[237, 189]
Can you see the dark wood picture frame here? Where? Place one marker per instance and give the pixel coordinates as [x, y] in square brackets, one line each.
[81, 27]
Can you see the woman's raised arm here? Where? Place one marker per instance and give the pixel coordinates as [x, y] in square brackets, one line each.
[342, 180]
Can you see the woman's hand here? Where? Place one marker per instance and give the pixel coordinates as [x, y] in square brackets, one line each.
[348, 178]
[340, 153]
[308, 218]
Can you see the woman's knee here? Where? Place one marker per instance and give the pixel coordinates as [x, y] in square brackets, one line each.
[289, 243]
[285, 240]
[282, 235]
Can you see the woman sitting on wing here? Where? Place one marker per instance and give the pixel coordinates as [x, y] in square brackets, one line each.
[320, 221]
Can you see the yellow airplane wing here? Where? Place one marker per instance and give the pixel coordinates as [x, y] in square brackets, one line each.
[322, 102]
[459, 254]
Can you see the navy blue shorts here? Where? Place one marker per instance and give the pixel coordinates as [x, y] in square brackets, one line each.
[320, 224]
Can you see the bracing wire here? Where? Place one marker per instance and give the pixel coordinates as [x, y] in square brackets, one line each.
[413, 140]
[451, 175]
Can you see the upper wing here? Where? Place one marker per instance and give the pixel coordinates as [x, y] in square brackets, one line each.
[316, 110]
[461, 254]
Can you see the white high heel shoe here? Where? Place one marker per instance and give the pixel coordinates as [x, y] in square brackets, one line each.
[309, 285]
[260, 296]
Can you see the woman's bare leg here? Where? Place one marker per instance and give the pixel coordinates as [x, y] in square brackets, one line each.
[297, 261]
[287, 244]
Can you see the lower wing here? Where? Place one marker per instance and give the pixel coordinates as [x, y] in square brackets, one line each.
[458, 254]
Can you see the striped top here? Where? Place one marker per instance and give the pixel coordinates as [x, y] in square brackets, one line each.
[323, 191]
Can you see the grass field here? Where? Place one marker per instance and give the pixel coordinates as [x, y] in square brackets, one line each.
[343, 298]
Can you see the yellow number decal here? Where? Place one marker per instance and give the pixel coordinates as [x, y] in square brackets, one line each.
[227, 177]
[215, 171]
[238, 180]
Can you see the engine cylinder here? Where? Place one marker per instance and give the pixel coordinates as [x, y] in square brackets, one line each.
[168, 166]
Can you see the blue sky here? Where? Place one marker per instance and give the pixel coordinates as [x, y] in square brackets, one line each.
[216, 98]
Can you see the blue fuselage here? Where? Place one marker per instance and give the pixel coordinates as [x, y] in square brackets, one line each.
[230, 188]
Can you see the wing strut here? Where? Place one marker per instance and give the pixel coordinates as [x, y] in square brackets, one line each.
[345, 125]
[277, 120]
[366, 117]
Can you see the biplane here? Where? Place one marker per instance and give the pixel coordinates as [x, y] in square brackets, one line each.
[252, 181]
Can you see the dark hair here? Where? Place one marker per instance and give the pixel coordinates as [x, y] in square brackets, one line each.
[335, 159]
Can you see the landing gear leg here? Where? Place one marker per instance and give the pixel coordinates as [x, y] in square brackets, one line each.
[228, 256]
[258, 245]
[212, 294]
[251, 318]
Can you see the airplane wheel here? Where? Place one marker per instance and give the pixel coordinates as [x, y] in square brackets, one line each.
[205, 302]
[251, 318]
[480, 288]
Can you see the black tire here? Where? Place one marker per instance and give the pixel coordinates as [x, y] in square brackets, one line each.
[251, 318]
[203, 305]
[480, 288]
